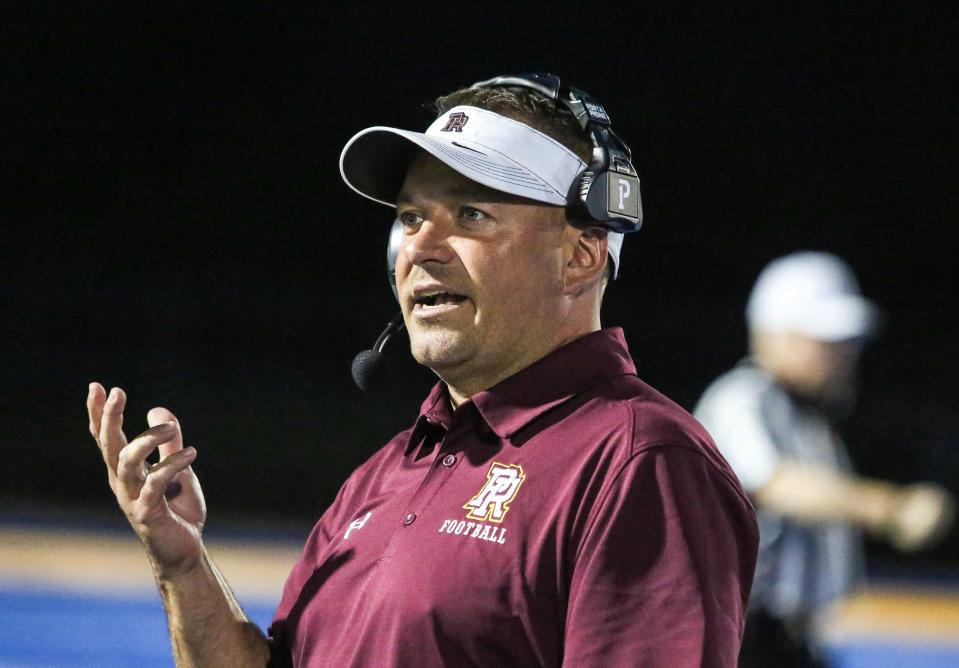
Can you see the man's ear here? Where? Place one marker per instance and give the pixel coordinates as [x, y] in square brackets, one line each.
[587, 259]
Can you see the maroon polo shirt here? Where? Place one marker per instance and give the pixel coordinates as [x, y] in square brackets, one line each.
[570, 515]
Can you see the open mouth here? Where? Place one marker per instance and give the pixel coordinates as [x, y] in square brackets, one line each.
[435, 300]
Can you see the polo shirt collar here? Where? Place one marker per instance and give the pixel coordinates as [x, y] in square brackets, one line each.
[562, 374]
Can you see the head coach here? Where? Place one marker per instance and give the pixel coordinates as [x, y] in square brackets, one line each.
[546, 507]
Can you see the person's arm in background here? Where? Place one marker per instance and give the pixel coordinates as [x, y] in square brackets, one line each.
[910, 516]
[164, 504]
[663, 572]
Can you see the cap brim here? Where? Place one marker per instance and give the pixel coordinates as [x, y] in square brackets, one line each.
[374, 164]
[841, 318]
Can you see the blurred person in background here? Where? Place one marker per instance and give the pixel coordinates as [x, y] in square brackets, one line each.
[773, 418]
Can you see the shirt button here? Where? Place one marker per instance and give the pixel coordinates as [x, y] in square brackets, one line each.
[409, 519]
[449, 460]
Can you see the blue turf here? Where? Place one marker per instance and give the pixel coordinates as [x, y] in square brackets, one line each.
[878, 654]
[66, 630]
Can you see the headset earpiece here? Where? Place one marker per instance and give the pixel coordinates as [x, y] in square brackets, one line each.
[608, 198]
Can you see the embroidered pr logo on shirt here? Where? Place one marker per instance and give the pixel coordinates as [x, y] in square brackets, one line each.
[356, 525]
[492, 502]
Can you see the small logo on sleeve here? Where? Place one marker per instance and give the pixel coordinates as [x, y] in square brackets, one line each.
[493, 500]
[356, 525]
[456, 122]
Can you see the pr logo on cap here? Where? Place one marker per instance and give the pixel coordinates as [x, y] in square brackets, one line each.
[455, 122]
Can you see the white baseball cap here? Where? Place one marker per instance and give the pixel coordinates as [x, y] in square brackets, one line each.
[812, 293]
[496, 151]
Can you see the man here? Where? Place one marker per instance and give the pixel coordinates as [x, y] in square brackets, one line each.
[546, 508]
[772, 416]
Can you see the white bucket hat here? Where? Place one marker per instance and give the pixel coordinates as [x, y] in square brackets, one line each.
[496, 151]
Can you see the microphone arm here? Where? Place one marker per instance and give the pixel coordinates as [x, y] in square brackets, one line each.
[367, 363]
[395, 326]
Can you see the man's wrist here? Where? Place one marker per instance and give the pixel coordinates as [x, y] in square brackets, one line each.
[182, 571]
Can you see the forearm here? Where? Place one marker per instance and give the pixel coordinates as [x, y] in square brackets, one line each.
[910, 517]
[207, 626]
[817, 495]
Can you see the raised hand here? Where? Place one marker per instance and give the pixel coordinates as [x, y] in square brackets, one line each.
[163, 501]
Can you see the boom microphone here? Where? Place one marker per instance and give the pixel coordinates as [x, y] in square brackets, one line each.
[368, 364]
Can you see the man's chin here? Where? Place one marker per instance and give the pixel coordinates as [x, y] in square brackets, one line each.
[438, 350]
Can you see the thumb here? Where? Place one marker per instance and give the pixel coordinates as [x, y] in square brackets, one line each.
[159, 415]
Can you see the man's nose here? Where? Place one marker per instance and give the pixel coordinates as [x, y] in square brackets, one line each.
[428, 243]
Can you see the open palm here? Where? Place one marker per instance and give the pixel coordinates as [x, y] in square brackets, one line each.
[163, 501]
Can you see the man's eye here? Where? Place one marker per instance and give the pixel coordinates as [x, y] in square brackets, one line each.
[473, 214]
[410, 219]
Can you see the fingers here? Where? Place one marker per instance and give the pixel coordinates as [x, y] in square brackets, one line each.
[96, 396]
[162, 474]
[131, 468]
[158, 416]
[111, 437]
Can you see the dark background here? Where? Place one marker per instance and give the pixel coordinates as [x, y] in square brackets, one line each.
[173, 221]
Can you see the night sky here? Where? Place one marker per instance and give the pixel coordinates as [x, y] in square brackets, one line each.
[173, 220]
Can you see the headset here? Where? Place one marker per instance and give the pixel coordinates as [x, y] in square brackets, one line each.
[591, 201]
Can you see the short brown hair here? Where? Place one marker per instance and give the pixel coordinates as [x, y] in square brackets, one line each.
[525, 106]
